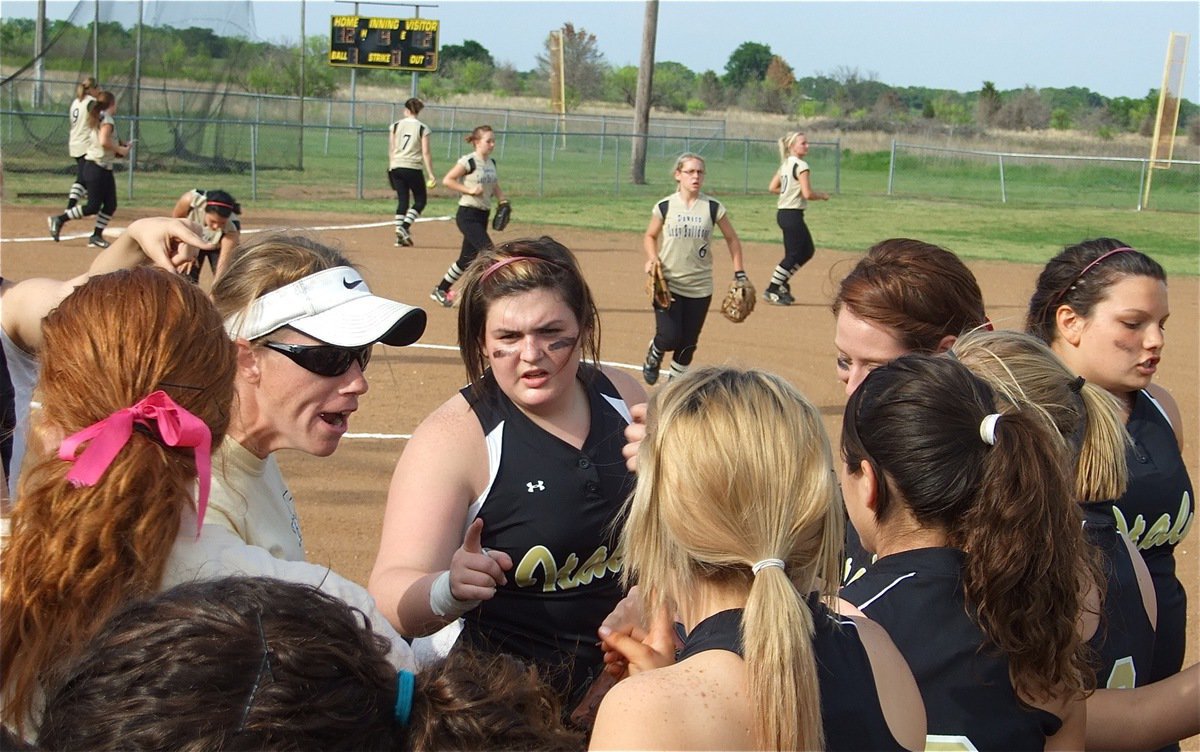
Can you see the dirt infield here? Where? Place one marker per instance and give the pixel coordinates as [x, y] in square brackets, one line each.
[341, 498]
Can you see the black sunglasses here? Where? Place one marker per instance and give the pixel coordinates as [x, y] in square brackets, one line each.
[323, 360]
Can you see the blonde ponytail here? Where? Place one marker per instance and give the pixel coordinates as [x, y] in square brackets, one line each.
[777, 631]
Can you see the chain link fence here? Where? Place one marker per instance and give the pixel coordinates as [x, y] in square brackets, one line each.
[258, 148]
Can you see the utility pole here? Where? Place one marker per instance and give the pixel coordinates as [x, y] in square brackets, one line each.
[645, 83]
[39, 55]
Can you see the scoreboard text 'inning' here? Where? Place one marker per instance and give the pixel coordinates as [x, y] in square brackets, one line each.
[393, 43]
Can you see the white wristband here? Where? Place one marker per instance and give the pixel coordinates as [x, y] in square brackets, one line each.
[443, 602]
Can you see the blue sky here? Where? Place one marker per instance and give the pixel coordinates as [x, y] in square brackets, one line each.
[1115, 48]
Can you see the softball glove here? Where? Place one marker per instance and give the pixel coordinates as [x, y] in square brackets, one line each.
[656, 288]
[502, 215]
[739, 301]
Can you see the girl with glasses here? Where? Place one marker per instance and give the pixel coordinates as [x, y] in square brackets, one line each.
[685, 221]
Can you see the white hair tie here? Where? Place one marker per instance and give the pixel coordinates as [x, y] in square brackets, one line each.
[987, 428]
[761, 565]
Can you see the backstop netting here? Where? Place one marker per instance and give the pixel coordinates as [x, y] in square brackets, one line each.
[205, 123]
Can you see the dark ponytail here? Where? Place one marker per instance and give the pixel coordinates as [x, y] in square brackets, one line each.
[1008, 506]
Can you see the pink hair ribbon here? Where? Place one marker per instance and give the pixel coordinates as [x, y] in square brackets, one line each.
[176, 427]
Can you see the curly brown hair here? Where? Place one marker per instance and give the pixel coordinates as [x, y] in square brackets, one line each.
[249, 663]
[475, 701]
[1009, 507]
[75, 554]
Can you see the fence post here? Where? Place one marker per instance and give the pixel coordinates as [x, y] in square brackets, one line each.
[745, 164]
[892, 168]
[617, 166]
[450, 141]
[1003, 191]
[130, 162]
[504, 135]
[603, 130]
[254, 161]
[837, 166]
[328, 122]
[361, 143]
[541, 165]
[1142, 185]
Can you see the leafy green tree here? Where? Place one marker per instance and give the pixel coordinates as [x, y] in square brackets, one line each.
[620, 85]
[1026, 110]
[583, 62]
[474, 75]
[780, 86]
[987, 105]
[468, 50]
[749, 62]
[710, 90]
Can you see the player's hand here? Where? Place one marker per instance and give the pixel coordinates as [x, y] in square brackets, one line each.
[169, 243]
[475, 572]
[635, 432]
[477, 190]
[631, 649]
[430, 183]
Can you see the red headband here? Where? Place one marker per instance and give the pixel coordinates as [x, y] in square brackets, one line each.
[503, 263]
[1088, 268]
[222, 204]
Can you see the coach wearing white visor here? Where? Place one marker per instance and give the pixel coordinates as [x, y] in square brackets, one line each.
[305, 323]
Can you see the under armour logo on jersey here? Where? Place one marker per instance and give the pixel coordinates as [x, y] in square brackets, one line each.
[539, 486]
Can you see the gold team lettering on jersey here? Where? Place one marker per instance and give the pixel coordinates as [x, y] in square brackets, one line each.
[1162, 531]
[571, 574]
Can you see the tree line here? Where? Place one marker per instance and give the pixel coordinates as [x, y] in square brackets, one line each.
[754, 78]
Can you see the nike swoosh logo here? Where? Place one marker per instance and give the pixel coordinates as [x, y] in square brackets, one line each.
[351, 285]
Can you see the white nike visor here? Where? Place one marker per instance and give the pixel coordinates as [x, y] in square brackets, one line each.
[333, 306]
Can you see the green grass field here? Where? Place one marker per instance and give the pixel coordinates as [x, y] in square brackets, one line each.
[951, 202]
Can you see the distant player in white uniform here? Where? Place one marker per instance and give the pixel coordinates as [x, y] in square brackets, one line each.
[474, 176]
[77, 145]
[685, 220]
[220, 216]
[792, 182]
[408, 150]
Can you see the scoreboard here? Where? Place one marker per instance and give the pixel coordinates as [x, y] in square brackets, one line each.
[392, 43]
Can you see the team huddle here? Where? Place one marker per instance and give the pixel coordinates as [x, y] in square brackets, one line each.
[983, 559]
